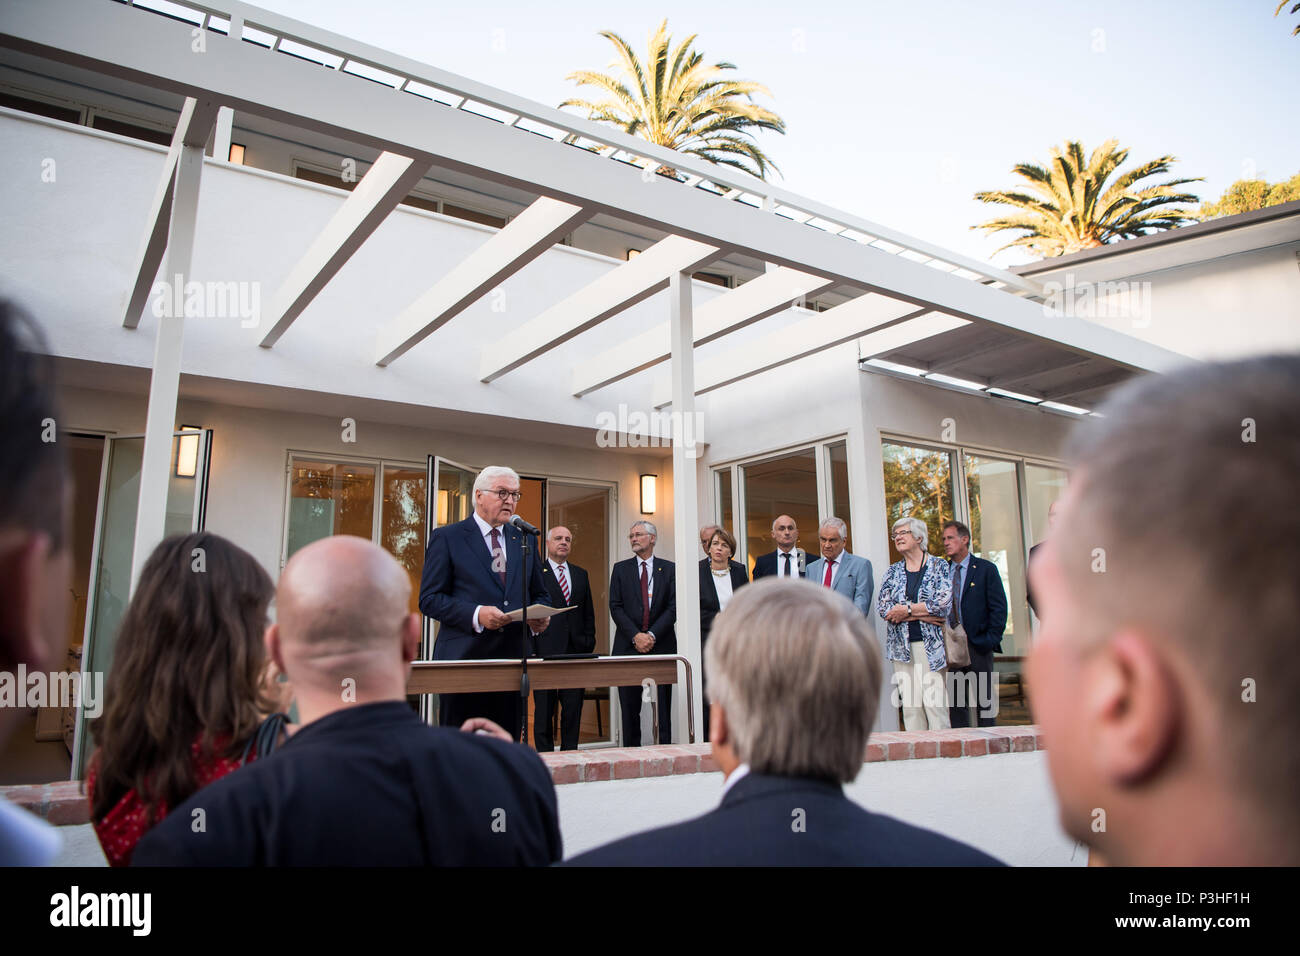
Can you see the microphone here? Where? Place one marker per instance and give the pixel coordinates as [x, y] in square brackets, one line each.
[522, 525]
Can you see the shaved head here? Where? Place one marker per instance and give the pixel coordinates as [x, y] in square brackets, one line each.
[342, 611]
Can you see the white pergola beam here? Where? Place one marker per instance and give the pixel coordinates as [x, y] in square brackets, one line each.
[907, 333]
[616, 290]
[765, 295]
[523, 239]
[192, 129]
[818, 332]
[385, 184]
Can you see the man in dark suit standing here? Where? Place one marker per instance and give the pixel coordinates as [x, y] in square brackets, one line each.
[571, 633]
[783, 802]
[363, 782]
[788, 560]
[643, 604]
[471, 581]
[979, 605]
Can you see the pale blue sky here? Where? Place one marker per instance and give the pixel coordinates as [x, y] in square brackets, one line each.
[900, 111]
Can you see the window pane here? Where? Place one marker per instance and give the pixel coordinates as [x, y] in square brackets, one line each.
[1044, 485]
[838, 459]
[328, 498]
[918, 484]
[782, 486]
[726, 507]
[402, 523]
[994, 496]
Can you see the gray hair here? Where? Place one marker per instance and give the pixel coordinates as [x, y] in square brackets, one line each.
[491, 473]
[837, 524]
[810, 649]
[649, 526]
[915, 525]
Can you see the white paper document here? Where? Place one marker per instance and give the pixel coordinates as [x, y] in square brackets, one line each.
[536, 611]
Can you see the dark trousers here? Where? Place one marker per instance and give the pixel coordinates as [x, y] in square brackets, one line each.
[502, 708]
[629, 699]
[976, 681]
[544, 704]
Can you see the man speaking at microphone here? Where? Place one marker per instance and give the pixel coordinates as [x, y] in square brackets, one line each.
[471, 582]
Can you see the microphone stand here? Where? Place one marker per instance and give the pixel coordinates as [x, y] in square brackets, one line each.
[523, 622]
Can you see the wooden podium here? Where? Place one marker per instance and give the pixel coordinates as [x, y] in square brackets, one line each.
[471, 677]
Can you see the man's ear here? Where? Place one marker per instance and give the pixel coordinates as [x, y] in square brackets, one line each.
[1134, 703]
[24, 565]
[273, 650]
[411, 635]
[719, 732]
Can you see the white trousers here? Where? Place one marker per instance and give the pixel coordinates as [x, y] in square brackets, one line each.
[922, 692]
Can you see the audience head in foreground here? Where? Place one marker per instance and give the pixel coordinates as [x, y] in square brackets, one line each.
[188, 687]
[364, 782]
[35, 557]
[794, 674]
[1165, 672]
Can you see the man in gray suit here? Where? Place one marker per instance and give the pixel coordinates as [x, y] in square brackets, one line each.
[839, 570]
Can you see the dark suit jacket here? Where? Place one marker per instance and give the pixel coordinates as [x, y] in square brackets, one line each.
[766, 564]
[573, 632]
[625, 605]
[786, 821]
[709, 594]
[370, 785]
[458, 577]
[983, 604]
[1029, 591]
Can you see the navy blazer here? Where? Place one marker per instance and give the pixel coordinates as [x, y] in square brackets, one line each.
[625, 605]
[983, 606]
[573, 632]
[370, 785]
[766, 564]
[786, 821]
[709, 608]
[458, 577]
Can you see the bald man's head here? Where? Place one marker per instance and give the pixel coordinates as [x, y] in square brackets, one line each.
[342, 610]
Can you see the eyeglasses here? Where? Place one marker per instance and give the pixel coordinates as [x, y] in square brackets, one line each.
[506, 495]
[901, 534]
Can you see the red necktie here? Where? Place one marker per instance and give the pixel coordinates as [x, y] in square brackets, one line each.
[564, 583]
[499, 558]
[645, 600]
[826, 581]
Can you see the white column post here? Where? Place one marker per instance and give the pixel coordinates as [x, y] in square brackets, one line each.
[686, 496]
[164, 383]
[225, 131]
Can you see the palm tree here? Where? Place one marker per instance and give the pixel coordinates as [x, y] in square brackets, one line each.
[1294, 9]
[681, 103]
[1069, 206]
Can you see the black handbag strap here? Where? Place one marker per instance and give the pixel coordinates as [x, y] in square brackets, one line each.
[266, 738]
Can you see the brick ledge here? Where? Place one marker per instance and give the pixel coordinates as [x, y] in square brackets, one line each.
[585, 766]
[63, 803]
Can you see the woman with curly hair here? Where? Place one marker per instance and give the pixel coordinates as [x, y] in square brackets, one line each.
[189, 689]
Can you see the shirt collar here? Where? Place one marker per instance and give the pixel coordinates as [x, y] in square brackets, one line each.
[558, 564]
[736, 776]
[964, 563]
[484, 528]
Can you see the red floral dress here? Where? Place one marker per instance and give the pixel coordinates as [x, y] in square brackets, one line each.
[123, 826]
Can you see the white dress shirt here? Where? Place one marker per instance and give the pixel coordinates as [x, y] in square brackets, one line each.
[794, 562]
[722, 584]
[485, 530]
[835, 569]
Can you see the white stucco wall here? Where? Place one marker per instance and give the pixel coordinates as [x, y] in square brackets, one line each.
[1000, 803]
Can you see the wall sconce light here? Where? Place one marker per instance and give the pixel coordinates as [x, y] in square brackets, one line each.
[236, 154]
[442, 507]
[187, 453]
[632, 254]
[648, 494]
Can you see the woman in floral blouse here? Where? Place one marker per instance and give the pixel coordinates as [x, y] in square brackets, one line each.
[914, 598]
